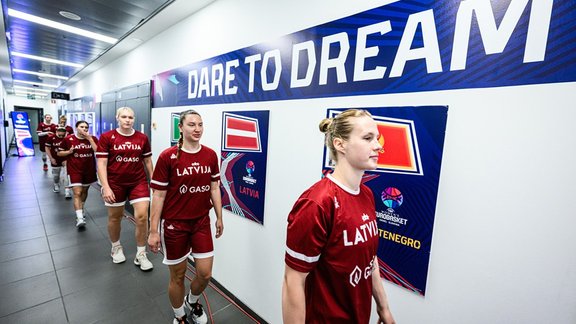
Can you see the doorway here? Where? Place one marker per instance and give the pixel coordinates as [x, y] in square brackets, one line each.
[35, 116]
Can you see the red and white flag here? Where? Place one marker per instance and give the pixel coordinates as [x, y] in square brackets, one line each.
[241, 134]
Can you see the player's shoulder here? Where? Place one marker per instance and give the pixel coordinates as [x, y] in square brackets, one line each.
[169, 153]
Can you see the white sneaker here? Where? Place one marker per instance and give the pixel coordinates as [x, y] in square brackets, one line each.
[56, 188]
[196, 312]
[117, 254]
[80, 222]
[67, 193]
[142, 261]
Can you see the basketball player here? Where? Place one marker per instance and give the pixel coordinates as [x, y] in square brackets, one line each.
[124, 159]
[186, 186]
[327, 279]
[58, 163]
[79, 149]
[62, 123]
[44, 129]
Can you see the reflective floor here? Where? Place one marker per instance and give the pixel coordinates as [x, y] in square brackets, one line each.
[52, 272]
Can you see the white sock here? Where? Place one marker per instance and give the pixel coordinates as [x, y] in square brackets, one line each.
[115, 244]
[192, 299]
[140, 249]
[179, 312]
[79, 214]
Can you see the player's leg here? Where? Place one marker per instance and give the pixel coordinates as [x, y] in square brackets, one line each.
[140, 200]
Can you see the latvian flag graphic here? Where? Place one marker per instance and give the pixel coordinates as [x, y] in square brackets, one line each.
[241, 134]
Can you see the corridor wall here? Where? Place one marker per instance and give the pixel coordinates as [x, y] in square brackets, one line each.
[501, 251]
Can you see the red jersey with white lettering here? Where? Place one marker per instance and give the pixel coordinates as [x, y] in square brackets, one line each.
[82, 160]
[187, 180]
[54, 144]
[125, 154]
[42, 136]
[333, 236]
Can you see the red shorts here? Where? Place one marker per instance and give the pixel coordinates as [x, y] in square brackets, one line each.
[182, 237]
[81, 179]
[134, 193]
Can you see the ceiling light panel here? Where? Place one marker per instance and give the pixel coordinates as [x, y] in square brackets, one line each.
[39, 84]
[61, 26]
[45, 75]
[45, 59]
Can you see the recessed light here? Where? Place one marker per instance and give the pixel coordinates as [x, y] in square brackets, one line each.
[69, 15]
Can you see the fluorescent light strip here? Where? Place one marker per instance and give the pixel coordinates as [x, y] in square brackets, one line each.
[33, 89]
[44, 59]
[64, 27]
[46, 75]
[37, 83]
[30, 94]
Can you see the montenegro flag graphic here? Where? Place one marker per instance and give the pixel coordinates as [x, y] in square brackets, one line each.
[399, 146]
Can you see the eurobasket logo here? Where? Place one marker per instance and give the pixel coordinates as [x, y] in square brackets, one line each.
[400, 152]
[250, 168]
[20, 119]
[392, 198]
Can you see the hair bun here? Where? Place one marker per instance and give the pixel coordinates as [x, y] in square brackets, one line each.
[325, 124]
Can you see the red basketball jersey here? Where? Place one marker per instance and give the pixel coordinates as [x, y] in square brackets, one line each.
[54, 143]
[333, 235]
[187, 180]
[82, 160]
[125, 154]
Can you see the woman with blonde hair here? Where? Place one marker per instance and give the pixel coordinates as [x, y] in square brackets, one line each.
[124, 165]
[331, 275]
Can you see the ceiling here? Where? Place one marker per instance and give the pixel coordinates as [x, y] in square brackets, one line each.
[127, 22]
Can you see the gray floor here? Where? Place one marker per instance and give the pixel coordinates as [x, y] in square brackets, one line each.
[51, 272]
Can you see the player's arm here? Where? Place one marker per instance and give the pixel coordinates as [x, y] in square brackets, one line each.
[382, 307]
[158, 197]
[148, 166]
[293, 296]
[107, 193]
[216, 199]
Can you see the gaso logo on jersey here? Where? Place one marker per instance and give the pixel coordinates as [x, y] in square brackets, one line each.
[194, 168]
[193, 189]
[80, 155]
[357, 274]
[127, 159]
[127, 146]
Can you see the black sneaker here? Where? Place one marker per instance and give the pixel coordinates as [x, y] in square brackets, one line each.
[181, 320]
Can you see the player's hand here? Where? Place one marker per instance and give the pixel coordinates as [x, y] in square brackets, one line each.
[53, 161]
[154, 242]
[108, 195]
[219, 227]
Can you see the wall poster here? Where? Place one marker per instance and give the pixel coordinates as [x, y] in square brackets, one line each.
[405, 188]
[243, 167]
[21, 125]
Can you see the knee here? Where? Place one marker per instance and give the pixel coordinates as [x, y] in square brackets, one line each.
[177, 278]
[204, 275]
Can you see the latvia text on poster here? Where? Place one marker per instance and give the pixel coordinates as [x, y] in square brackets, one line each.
[243, 168]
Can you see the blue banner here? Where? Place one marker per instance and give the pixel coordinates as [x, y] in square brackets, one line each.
[22, 134]
[406, 46]
[405, 188]
[244, 160]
